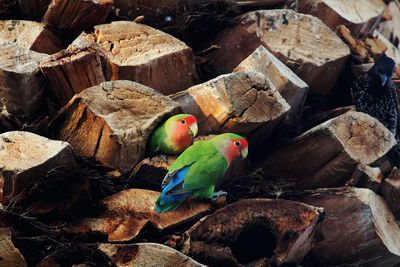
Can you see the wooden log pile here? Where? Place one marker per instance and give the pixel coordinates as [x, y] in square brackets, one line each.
[84, 84]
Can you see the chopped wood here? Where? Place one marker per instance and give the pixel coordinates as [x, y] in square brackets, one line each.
[390, 191]
[258, 3]
[302, 42]
[7, 8]
[359, 228]
[129, 211]
[135, 8]
[113, 121]
[391, 29]
[147, 254]
[25, 157]
[9, 254]
[34, 9]
[365, 176]
[77, 15]
[327, 154]
[143, 54]
[243, 102]
[392, 50]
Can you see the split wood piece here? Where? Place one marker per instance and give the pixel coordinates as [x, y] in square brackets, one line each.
[390, 191]
[25, 157]
[258, 3]
[361, 16]
[134, 8]
[254, 232]
[302, 42]
[245, 103]
[147, 254]
[359, 228]
[143, 54]
[391, 28]
[327, 154]
[289, 85]
[22, 85]
[386, 14]
[129, 211]
[7, 8]
[33, 9]
[30, 35]
[9, 254]
[113, 121]
[71, 71]
[365, 176]
[392, 50]
[77, 15]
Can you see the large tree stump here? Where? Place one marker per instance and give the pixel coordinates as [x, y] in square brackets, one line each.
[77, 15]
[359, 228]
[326, 155]
[143, 54]
[25, 157]
[245, 103]
[254, 232]
[361, 16]
[288, 84]
[9, 254]
[21, 83]
[113, 121]
[129, 211]
[71, 71]
[34, 9]
[30, 35]
[302, 42]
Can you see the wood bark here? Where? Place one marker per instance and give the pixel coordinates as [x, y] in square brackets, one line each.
[258, 3]
[9, 254]
[302, 42]
[135, 8]
[34, 9]
[365, 176]
[326, 155]
[143, 54]
[25, 157]
[390, 191]
[113, 121]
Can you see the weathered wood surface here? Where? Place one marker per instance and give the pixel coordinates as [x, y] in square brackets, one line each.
[327, 154]
[9, 254]
[390, 191]
[359, 228]
[390, 29]
[302, 42]
[25, 157]
[34, 9]
[143, 54]
[113, 121]
[365, 176]
[135, 8]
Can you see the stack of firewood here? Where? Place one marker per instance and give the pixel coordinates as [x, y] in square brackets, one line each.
[84, 83]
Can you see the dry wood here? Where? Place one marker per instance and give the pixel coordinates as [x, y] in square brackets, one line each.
[392, 51]
[302, 42]
[129, 211]
[113, 121]
[391, 28]
[361, 16]
[34, 9]
[135, 8]
[147, 254]
[365, 176]
[143, 54]
[243, 102]
[21, 83]
[359, 228]
[25, 157]
[258, 3]
[9, 254]
[7, 7]
[77, 15]
[326, 155]
[71, 71]
[390, 191]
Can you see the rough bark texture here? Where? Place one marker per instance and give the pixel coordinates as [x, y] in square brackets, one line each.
[33, 9]
[9, 254]
[147, 254]
[135, 8]
[113, 121]
[129, 211]
[390, 191]
[326, 155]
[368, 177]
[302, 42]
[143, 54]
[25, 157]
[359, 228]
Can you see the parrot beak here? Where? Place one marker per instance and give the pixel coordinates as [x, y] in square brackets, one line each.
[384, 78]
[244, 152]
[193, 129]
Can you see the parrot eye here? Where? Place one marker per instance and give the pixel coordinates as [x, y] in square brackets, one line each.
[183, 122]
[237, 143]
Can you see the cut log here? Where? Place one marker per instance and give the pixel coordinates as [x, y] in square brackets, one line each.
[129, 211]
[9, 254]
[254, 232]
[359, 228]
[368, 177]
[71, 71]
[8, 8]
[302, 42]
[77, 15]
[288, 84]
[392, 50]
[361, 16]
[147, 254]
[34, 9]
[326, 155]
[390, 191]
[113, 121]
[25, 157]
[134, 8]
[391, 29]
[21, 90]
[30, 35]
[143, 54]
[245, 103]
[258, 3]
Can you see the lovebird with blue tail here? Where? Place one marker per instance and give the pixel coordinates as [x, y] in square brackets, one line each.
[198, 169]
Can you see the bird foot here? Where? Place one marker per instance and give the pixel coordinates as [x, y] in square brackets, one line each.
[216, 195]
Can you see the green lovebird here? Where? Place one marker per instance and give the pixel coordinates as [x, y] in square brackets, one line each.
[174, 135]
[198, 169]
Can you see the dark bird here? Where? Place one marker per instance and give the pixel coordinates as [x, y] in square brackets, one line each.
[375, 94]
